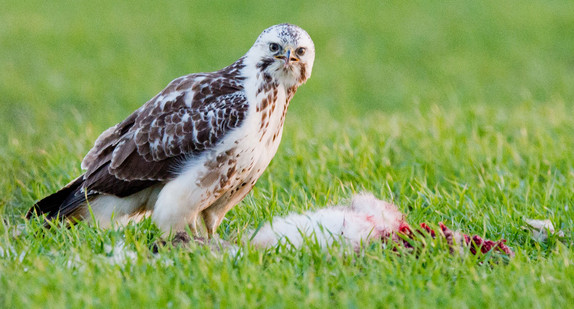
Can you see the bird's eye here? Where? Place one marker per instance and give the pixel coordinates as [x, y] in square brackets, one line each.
[274, 47]
[301, 51]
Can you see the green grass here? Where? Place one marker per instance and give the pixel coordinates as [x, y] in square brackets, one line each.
[459, 112]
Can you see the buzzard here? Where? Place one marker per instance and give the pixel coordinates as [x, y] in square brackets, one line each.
[197, 148]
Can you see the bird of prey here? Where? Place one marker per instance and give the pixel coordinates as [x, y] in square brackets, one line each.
[197, 148]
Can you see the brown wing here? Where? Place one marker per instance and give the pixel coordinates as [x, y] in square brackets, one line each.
[190, 116]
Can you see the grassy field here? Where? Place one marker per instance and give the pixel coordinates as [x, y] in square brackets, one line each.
[459, 112]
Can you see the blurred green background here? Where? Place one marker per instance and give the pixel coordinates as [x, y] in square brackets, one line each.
[103, 59]
[458, 111]
[386, 73]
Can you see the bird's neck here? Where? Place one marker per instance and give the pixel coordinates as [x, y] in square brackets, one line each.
[263, 83]
[270, 91]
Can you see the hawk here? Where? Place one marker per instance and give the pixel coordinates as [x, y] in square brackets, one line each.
[196, 149]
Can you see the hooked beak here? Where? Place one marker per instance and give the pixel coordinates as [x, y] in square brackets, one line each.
[287, 57]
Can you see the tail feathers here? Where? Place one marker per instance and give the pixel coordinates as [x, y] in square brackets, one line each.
[62, 203]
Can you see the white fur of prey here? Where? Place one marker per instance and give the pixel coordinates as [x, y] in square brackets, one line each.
[366, 219]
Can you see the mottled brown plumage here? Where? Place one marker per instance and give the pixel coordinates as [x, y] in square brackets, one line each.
[198, 146]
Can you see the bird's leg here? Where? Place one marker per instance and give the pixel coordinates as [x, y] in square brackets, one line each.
[193, 229]
[214, 214]
[196, 226]
[211, 221]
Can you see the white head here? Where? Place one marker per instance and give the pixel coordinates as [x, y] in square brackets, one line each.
[285, 52]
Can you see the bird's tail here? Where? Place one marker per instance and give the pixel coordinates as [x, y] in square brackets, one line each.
[63, 203]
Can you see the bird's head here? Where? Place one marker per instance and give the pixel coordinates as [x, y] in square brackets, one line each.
[285, 52]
